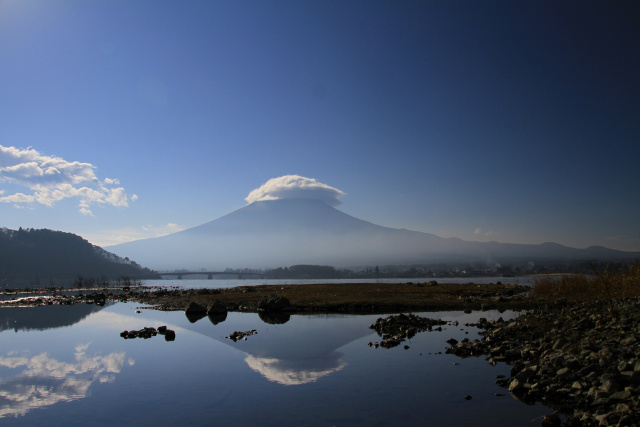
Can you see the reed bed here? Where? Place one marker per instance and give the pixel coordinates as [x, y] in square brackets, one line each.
[623, 282]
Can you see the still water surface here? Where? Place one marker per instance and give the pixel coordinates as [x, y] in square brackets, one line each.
[68, 365]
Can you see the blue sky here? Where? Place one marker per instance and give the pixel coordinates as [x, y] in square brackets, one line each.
[495, 120]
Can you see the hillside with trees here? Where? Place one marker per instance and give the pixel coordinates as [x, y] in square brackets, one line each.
[40, 258]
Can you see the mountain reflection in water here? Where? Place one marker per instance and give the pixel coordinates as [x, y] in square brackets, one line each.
[45, 316]
[292, 354]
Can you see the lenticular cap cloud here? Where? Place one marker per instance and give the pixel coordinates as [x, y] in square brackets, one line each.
[295, 187]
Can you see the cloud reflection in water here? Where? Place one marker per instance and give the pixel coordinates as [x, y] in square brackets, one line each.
[295, 372]
[46, 381]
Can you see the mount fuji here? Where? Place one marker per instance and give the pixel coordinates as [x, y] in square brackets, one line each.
[273, 233]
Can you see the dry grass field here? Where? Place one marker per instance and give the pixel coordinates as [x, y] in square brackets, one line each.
[599, 286]
[349, 297]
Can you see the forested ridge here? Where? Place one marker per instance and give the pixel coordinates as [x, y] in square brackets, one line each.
[45, 257]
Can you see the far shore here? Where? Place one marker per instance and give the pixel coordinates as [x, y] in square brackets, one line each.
[326, 298]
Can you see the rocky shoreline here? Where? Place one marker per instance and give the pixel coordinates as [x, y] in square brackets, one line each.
[582, 359]
[395, 329]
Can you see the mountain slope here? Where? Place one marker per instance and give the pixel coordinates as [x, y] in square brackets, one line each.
[305, 231]
[38, 257]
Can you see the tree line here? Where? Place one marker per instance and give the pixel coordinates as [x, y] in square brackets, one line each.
[41, 258]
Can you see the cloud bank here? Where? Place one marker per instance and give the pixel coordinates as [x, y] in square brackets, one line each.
[129, 234]
[295, 187]
[51, 179]
[46, 381]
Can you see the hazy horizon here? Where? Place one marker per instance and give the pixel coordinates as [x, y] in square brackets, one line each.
[290, 225]
[338, 208]
[513, 122]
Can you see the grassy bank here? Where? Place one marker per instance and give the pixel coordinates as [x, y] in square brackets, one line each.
[624, 282]
[346, 297]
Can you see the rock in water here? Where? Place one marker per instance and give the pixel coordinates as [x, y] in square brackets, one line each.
[195, 308]
[273, 303]
[216, 307]
[169, 335]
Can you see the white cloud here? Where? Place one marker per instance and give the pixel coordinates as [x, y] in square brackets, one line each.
[18, 198]
[133, 233]
[163, 230]
[287, 373]
[85, 211]
[52, 179]
[117, 197]
[481, 232]
[45, 381]
[295, 187]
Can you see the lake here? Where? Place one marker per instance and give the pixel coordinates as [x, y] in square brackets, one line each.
[68, 365]
[196, 282]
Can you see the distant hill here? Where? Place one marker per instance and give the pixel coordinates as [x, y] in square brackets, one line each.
[31, 257]
[306, 231]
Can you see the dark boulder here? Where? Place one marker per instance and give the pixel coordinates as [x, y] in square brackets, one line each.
[273, 303]
[195, 308]
[216, 307]
[169, 335]
[195, 312]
